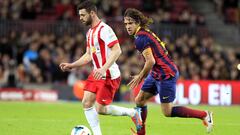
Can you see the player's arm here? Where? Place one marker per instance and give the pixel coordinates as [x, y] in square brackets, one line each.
[110, 39]
[149, 62]
[115, 53]
[86, 58]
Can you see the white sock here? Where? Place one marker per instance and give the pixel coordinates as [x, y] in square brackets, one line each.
[92, 118]
[120, 111]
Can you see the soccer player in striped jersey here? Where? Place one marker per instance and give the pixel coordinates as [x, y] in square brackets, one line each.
[103, 50]
[159, 73]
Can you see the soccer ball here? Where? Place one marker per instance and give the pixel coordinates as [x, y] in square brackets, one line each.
[80, 130]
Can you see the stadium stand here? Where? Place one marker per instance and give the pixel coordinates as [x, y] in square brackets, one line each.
[228, 9]
[38, 35]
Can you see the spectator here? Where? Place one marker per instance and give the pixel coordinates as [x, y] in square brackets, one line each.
[30, 55]
[28, 12]
[3, 76]
[39, 54]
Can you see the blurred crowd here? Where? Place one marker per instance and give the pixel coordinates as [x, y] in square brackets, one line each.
[34, 58]
[197, 58]
[163, 11]
[228, 9]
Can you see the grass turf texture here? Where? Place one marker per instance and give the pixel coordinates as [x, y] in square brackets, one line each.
[33, 118]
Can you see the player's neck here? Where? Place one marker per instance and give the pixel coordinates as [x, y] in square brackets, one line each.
[95, 22]
[137, 30]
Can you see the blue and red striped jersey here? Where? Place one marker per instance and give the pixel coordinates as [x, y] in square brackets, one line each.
[164, 67]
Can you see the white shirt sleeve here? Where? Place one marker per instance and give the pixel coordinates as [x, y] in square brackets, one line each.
[108, 36]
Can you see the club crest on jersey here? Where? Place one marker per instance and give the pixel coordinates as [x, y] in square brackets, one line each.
[93, 49]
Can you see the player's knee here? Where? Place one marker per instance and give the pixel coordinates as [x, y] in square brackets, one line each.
[167, 109]
[101, 110]
[139, 101]
[167, 114]
[87, 104]
[98, 110]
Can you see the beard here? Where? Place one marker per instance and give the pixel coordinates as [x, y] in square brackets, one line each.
[88, 21]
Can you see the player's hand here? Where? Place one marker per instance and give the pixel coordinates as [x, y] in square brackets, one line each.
[66, 67]
[99, 73]
[137, 79]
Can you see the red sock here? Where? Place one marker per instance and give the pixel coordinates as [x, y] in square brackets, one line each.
[184, 112]
[144, 117]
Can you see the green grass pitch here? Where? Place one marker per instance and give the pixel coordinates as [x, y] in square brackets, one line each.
[34, 118]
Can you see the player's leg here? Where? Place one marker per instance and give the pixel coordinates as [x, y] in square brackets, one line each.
[167, 96]
[88, 102]
[114, 110]
[169, 110]
[104, 98]
[105, 95]
[147, 91]
[141, 103]
[90, 112]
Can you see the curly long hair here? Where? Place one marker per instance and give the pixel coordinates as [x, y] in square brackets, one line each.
[139, 17]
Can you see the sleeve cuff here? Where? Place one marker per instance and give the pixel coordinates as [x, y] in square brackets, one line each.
[113, 43]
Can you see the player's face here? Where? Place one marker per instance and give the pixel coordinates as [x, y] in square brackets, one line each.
[85, 17]
[131, 25]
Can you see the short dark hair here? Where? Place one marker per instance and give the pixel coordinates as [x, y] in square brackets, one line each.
[88, 5]
[139, 17]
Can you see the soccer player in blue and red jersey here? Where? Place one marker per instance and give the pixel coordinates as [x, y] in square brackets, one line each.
[159, 73]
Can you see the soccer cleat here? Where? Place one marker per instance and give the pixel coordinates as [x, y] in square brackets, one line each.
[208, 121]
[137, 119]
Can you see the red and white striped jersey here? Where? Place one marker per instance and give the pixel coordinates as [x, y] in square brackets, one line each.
[99, 40]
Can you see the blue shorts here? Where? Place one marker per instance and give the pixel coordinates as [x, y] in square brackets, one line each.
[165, 88]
